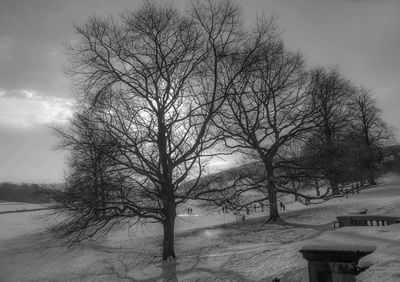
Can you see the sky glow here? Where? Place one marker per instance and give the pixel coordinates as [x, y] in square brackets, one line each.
[362, 37]
[26, 108]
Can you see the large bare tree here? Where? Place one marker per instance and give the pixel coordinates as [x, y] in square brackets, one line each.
[154, 81]
[267, 110]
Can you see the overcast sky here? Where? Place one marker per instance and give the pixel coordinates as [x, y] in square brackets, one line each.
[361, 36]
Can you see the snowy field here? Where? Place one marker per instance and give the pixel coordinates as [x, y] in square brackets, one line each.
[15, 206]
[209, 246]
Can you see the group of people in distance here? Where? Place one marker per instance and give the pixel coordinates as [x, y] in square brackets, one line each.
[236, 211]
[354, 188]
[225, 209]
[357, 187]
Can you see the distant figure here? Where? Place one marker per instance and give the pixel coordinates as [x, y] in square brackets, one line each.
[255, 207]
[191, 211]
[247, 211]
[188, 211]
[282, 206]
[262, 207]
[243, 218]
[358, 188]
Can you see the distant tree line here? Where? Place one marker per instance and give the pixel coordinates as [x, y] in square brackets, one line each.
[24, 192]
[159, 93]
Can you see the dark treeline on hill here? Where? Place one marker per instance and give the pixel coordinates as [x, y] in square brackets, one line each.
[24, 192]
[391, 160]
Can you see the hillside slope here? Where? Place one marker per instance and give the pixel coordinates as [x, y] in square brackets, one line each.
[207, 250]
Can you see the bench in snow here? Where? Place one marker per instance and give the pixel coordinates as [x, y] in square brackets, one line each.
[367, 220]
[359, 211]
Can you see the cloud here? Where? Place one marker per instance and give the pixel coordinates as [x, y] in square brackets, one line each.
[18, 94]
[23, 108]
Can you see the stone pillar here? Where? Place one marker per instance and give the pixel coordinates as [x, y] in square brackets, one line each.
[329, 263]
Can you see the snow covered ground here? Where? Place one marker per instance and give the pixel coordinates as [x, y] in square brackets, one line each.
[207, 249]
[15, 206]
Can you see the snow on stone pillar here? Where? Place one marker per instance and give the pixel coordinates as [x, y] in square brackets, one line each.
[334, 263]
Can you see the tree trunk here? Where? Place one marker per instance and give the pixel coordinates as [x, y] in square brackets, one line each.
[296, 196]
[103, 198]
[272, 194]
[317, 187]
[169, 236]
[168, 192]
[273, 203]
[96, 196]
[333, 182]
[333, 173]
[371, 173]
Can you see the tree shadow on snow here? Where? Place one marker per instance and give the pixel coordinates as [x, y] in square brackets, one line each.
[33, 242]
[170, 273]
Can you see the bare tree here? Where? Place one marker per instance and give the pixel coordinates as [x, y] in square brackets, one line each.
[331, 97]
[269, 109]
[90, 179]
[369, 132]
[154, 81]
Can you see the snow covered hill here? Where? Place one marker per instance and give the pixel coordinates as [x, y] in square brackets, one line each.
[210, 246]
